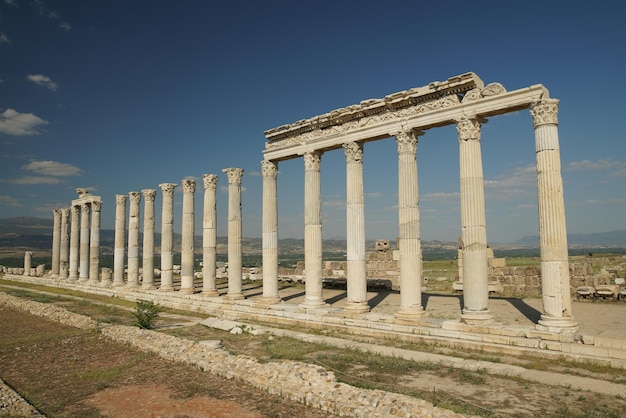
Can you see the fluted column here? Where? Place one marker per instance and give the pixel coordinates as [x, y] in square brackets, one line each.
[94, 243]
[355, 222]
[74, 237]
[64, 250]
[409, 229]
[148, 239]
[234, 233]
[133, 240]
[56, 243]
[120, 240]
[187, 245]
[167, 237]
[473, 223]
[209, 236]
[555, 279]
[269, 169]
[83, 272]
[312, 230]
[28, 257]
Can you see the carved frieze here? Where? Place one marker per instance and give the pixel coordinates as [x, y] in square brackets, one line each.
[493, 89]
[269, 168]
[468, 128]
[120, 199]
[189, 186]
[210, 181]
[545, 112]
[234, 175]
[167, 188]
[312, 160]
[354, 152]
[149, 194]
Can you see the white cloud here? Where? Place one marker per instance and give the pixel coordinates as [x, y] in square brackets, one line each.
[615, 168]
[611, 201]
[43, 80]
[43, 10]
[374, 194]
[35, 180]
[53, 168]
[20, 124]
[518, 182]
[440, 196]
[335, 204]
[4, 39]
[9, 201]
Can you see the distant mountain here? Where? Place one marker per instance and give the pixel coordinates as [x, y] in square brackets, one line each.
[28, 225]
[597, 239]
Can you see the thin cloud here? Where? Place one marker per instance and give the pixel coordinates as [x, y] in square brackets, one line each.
[374, 194]
[440, 196]
[35, 180]
[612, 201]
[335, 204]
[53, 168]
[4, 39]
[20, 124]
[520, 181]
[43, 80]
[10, 3]
[44, 11]
[9, 201]
[614, 167]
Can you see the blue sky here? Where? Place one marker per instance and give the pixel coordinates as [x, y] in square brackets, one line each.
[119, 96]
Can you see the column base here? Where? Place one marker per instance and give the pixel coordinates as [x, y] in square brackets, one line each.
[558, 325]
[477, 317]
[83, 279]
[145, 286]
[132, 285]
[210, 293]
[234, 296]
[187, 291]
[264, 302]
[352, 308]
[166, 288]
[94, 282]
[118, 284]
[106, 283]
[313, 303]
[410, 316]
[72, 279]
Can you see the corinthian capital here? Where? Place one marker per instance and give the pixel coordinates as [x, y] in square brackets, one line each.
[149, 194]
[65, 214]
[135, 197]
[545, 112]
[312, 160]
[234, 175]
[120, 199]
[167, 188]
[189, 186]
[210, 181]
[75, 210]
[354, 152]
[269, 168]
[468, 128]
[96, 205]
[407, 142]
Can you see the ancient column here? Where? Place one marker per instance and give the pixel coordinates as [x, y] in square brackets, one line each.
[555, 279]
[148, 239]
[83, 273]
[269, 169]
[187, 245]
[234, 233]
[312, 231]
[120, 240]
[56, 243]
[74, 237]
[209, 236]
[28, 257]
[167, 237]
[473, 223]
[355, 222]
[409, 229]
[94, 243]
[133, 240]
[64, 251]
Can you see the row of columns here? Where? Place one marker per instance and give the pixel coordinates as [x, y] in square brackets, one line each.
[552, 232]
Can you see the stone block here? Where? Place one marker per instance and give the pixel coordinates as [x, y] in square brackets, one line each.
[588, 350]
[550, 345]
[496, 339]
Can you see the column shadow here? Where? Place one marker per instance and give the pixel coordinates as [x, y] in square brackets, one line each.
[427, 296]
[295, 295]
[336, 298]
[528, 311]
[379, 298]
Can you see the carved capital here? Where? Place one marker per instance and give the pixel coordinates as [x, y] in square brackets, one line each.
[209, 181]
[269, 168]
[407, 142]
[76, 210]
[312, 160]
[149, 194]
[354, 152]
[167, 188]
[234, 175]
[468, 128]
[56, 213]
[96, 205]
[545, 112]
[135, 197]
[120, 199]
[84, 207]
[65, 214]
[189, 186]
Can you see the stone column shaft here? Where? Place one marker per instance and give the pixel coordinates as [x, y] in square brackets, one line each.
[209, 236]
[148, 239]
[119, 250]
[133, 240]
[234, 233]
[167, 237]
[269, 170]
[187, 246]
[312, 230]
[94, 243]
[555, 279]
[74, 245]
[473, 223]
[409, 229]
[355, 212]
[56, 243]
[64, 251]
[83, 273]
[28, 257]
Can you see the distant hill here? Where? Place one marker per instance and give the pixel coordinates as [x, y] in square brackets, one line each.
[598, 239]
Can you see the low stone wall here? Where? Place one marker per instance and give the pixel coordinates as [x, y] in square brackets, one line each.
[306, 383]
